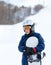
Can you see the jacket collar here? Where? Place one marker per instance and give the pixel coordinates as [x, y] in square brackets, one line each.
[29, 35]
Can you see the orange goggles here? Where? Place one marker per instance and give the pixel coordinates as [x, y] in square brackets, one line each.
[26, 27]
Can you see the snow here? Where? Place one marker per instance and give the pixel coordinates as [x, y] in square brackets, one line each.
[10, 36]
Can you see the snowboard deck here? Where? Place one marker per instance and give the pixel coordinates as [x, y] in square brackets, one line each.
[33, 42]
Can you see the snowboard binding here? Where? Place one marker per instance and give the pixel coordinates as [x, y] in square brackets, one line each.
[36, 57]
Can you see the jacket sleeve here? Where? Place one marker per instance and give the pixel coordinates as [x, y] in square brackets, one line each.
[41, 44]
[21, 45]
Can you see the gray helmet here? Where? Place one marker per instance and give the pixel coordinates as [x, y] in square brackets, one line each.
[29, 23]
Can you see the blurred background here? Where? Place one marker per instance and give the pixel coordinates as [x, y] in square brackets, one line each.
[12, 15]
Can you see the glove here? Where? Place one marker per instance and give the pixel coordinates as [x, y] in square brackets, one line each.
[28, 51]
[34, 50]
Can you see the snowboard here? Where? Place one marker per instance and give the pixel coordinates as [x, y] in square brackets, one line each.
[32, 42]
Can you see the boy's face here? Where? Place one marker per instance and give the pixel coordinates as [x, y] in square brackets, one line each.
[26, 29]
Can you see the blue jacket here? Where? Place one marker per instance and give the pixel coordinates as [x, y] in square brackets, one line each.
[22, 45]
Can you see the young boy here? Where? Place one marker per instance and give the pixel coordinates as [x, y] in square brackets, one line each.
[27, 27]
